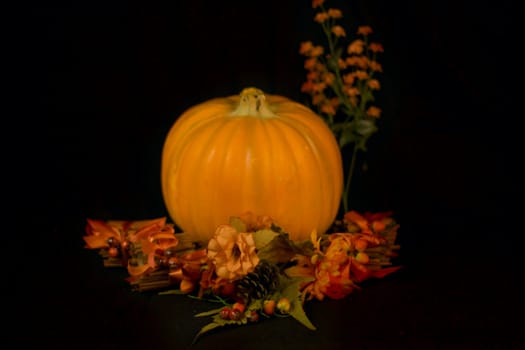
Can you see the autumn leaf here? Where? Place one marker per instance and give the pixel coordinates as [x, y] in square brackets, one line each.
[291, 288]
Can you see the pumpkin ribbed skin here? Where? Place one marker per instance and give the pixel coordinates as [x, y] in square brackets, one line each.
[264, 154]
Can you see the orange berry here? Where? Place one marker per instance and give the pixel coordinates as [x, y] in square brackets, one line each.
[269, 307]
[361, 244]
[239, 306]
[378, 226]
[362, 257]
[186, 286]
[352, 228]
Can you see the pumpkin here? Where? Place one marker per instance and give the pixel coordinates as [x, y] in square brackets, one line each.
[251, 153]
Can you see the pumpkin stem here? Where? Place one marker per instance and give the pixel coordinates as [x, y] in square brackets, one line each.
[253, 103]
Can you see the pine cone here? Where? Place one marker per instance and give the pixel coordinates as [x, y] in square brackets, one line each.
[259, 283]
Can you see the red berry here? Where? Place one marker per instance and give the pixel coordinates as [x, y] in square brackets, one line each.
[254, 316]
[226, 313]
[113, 252]
[235, 315]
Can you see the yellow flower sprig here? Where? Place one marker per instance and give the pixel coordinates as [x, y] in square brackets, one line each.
[341, 82]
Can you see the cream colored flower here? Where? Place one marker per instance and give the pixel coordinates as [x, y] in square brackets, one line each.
[233, 253]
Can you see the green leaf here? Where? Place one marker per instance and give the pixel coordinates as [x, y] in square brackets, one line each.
[210, 312]
[291, 289]
[218, 321]
[172, 291]
[332, 61]
[298, 313]
[347, 136]
[237, 224]
[337, 127]
[263, 237]
[205, 329]
[365, 127]
[279, 250]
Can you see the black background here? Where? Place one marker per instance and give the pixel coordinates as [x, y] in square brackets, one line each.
[98, 84]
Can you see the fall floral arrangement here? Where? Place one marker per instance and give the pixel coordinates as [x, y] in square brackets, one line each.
[249, 265]
[341, 82]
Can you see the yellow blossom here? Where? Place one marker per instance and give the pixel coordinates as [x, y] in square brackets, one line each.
[373, 111]
[364, 30]
[318, 99]
[341, 63]
[349, 78]
[312, 75]
[306, 47]
[339, 248]
[317, 3]
[319, 87]
[320, 17]
[329, 78]
[335, 13]
[321, 67]
[361, 74]
[356, 47]
[338, 31]
[334, 101]
[328, 109]
[352, 91]
[362, 62]
[307, 87]
[374, 84]
[352, 60]
[375, 47]
[332, 272]
[317, 51]
[310, 63]
[375, 66]
[315, 240]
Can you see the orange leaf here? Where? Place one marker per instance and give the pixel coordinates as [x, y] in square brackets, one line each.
[358, 219]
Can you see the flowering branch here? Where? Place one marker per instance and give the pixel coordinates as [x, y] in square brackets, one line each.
[341, 84]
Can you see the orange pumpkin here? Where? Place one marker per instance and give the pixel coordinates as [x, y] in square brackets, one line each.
[252, 152]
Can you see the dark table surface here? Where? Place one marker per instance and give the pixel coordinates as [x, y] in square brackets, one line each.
[452, 293]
